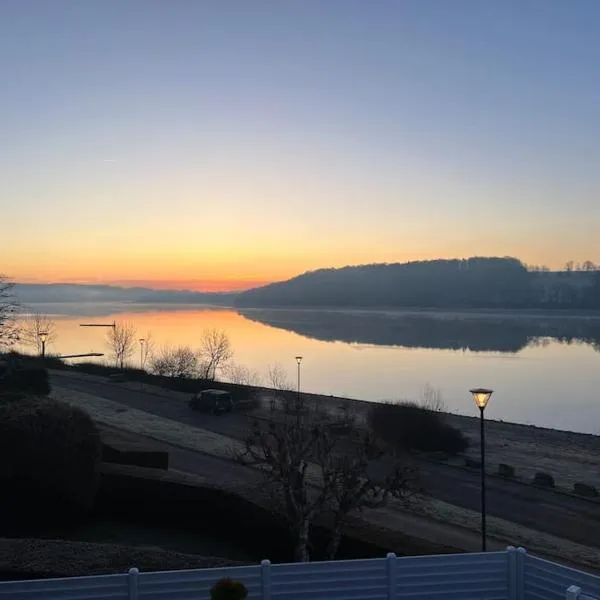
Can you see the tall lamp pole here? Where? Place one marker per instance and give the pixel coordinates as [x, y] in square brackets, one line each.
[298, 360]
[481, 396]
[43, 335]
[142, 340]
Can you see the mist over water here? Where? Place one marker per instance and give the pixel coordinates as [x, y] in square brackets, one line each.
[544, 368]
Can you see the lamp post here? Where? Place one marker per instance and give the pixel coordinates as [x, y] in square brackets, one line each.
[298, 360]
[43, 335]
[142, 340]
[481, 397]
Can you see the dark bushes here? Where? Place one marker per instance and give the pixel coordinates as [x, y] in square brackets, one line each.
[583, 489]
[506, 470]
[408, 426]
[25, 379]
[543, 479]
[49, 461]
[228, 589]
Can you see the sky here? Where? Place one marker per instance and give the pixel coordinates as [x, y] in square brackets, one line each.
[221, 144]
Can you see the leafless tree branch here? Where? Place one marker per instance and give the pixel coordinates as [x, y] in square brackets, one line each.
[175, 362]
[121, 341]
[34, 327]
[313, 463]
[9, 330]
[214, 353]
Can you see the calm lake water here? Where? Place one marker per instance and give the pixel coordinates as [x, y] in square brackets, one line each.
[545, 369]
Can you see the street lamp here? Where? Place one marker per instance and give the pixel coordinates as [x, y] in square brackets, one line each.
[298, 360]
[43, 335]
[142, 340]
[481, 397]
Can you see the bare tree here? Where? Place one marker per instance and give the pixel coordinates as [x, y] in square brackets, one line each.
[242, 375]
[33, 329]
[121, 340]
[9, 331]
[279, 381]
[431, 398]
[278, 378]
[311, 468]
[175, 362]
[214, 353]
[281, 451]
[588, 265]
[366, 474]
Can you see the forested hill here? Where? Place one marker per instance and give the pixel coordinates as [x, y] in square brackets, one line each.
[469, 283]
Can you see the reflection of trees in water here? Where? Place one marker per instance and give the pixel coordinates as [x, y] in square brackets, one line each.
[476, 332]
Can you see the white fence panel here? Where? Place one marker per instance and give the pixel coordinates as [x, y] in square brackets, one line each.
[101, 587]
[511, 575]
[445, 577]
[195, 584]
[574, 593]
[331, 580]
[545, 580]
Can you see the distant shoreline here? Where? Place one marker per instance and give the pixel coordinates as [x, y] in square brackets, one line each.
[409, 310]
[536, 312]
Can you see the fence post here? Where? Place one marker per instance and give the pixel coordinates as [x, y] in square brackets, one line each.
[511, 572]
[132, 583]
[390, 563]
[521, 572]
[265, 579]
[573, 592]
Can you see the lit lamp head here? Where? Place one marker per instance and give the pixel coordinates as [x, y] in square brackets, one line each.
[298, 359]
[481, 397]
[43, 335]
[142, 340]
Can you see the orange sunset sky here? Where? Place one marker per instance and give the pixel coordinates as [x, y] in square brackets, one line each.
[191, 145]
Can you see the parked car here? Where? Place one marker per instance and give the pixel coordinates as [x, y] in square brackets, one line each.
[212, 401]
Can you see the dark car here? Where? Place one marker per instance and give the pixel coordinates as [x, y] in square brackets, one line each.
[212, 401]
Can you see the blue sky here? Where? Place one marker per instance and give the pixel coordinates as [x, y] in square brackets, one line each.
[233, 141]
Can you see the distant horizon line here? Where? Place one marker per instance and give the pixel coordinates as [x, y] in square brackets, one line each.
[131, 285]
[234, 285]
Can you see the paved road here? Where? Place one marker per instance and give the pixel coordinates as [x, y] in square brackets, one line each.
[559, 514]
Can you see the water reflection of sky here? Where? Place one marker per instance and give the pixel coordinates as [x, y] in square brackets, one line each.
[544, 381]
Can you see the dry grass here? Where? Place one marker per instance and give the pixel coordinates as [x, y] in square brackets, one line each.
[114, 414]
[569, 457]
[510, 533]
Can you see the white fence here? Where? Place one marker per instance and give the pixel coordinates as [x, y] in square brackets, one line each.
[505, 575]
[545, 580]
[574, 593]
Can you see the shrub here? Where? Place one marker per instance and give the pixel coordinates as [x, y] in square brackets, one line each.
[583, 489]
[49, 460]
[228, 589]
[408, 426]
[543, 479]
[506, 470]
[26, 379]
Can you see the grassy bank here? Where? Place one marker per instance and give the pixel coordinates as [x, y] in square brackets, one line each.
[200, 440]
[569, 457]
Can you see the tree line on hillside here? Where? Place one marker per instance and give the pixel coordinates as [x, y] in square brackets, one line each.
[488, 283]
